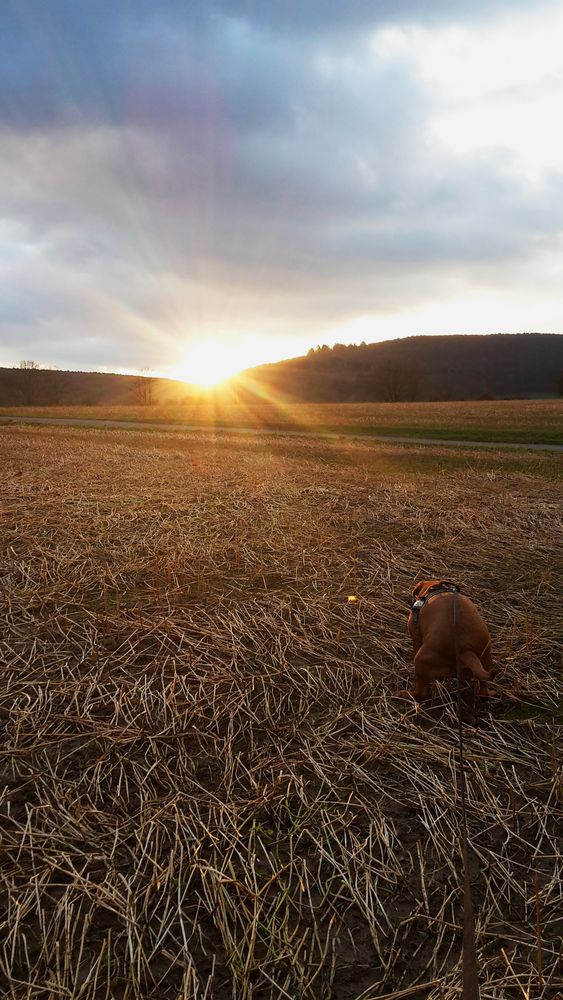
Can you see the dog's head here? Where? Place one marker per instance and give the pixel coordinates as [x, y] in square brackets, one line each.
[420, 590]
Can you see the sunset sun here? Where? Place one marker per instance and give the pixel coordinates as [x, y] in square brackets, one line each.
[210, 362]
[213, 359]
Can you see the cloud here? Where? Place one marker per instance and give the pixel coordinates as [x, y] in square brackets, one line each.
[175, 170]
[324, 18]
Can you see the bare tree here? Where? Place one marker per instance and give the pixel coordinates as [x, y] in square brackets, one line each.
[143, 388]
[397, 382]
[29, 383]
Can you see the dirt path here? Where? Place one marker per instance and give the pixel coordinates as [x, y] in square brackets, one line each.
[386, 439]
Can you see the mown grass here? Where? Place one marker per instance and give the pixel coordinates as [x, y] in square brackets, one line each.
[528, 421]
[207, 788]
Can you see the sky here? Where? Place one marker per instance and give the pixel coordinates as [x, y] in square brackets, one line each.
[194, 186]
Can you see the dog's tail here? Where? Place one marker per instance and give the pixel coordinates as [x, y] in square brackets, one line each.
[471, 662]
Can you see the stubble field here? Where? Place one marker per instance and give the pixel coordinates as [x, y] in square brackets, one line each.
[207, 788]
[523, 420]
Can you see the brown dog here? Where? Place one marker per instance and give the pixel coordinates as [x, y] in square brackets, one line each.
[431, 627]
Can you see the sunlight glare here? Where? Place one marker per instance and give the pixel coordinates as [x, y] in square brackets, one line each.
[214, 359]
[209, 362]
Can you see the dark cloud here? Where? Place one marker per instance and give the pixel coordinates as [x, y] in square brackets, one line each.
[330, 17]
[69, 62]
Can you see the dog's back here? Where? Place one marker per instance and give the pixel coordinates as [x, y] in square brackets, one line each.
[434, 636]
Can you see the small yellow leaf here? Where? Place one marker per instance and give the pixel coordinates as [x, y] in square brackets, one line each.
[352, 598]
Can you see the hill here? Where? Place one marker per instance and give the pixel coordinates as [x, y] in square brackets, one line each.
[420, 368]
[415, 368]
[44, 387]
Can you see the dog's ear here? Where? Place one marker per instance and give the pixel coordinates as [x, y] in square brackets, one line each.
[417, 589]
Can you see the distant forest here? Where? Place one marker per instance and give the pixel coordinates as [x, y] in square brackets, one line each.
[490, 366]
[423, 368]
[35, 386]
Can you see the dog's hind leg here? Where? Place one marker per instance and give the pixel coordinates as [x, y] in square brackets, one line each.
[424, 673]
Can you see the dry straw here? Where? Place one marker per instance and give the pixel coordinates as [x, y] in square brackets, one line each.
[207, 788]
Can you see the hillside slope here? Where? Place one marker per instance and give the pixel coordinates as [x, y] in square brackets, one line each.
[424, 368]
[44, 387]
[415, 368]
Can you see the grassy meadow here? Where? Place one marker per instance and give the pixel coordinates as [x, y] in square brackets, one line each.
[529, 421]
[207, 787]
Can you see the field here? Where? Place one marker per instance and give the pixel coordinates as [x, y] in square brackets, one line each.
[533, 421]
[207, 787]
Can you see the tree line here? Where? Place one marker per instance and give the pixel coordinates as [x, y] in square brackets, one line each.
[414, 368]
